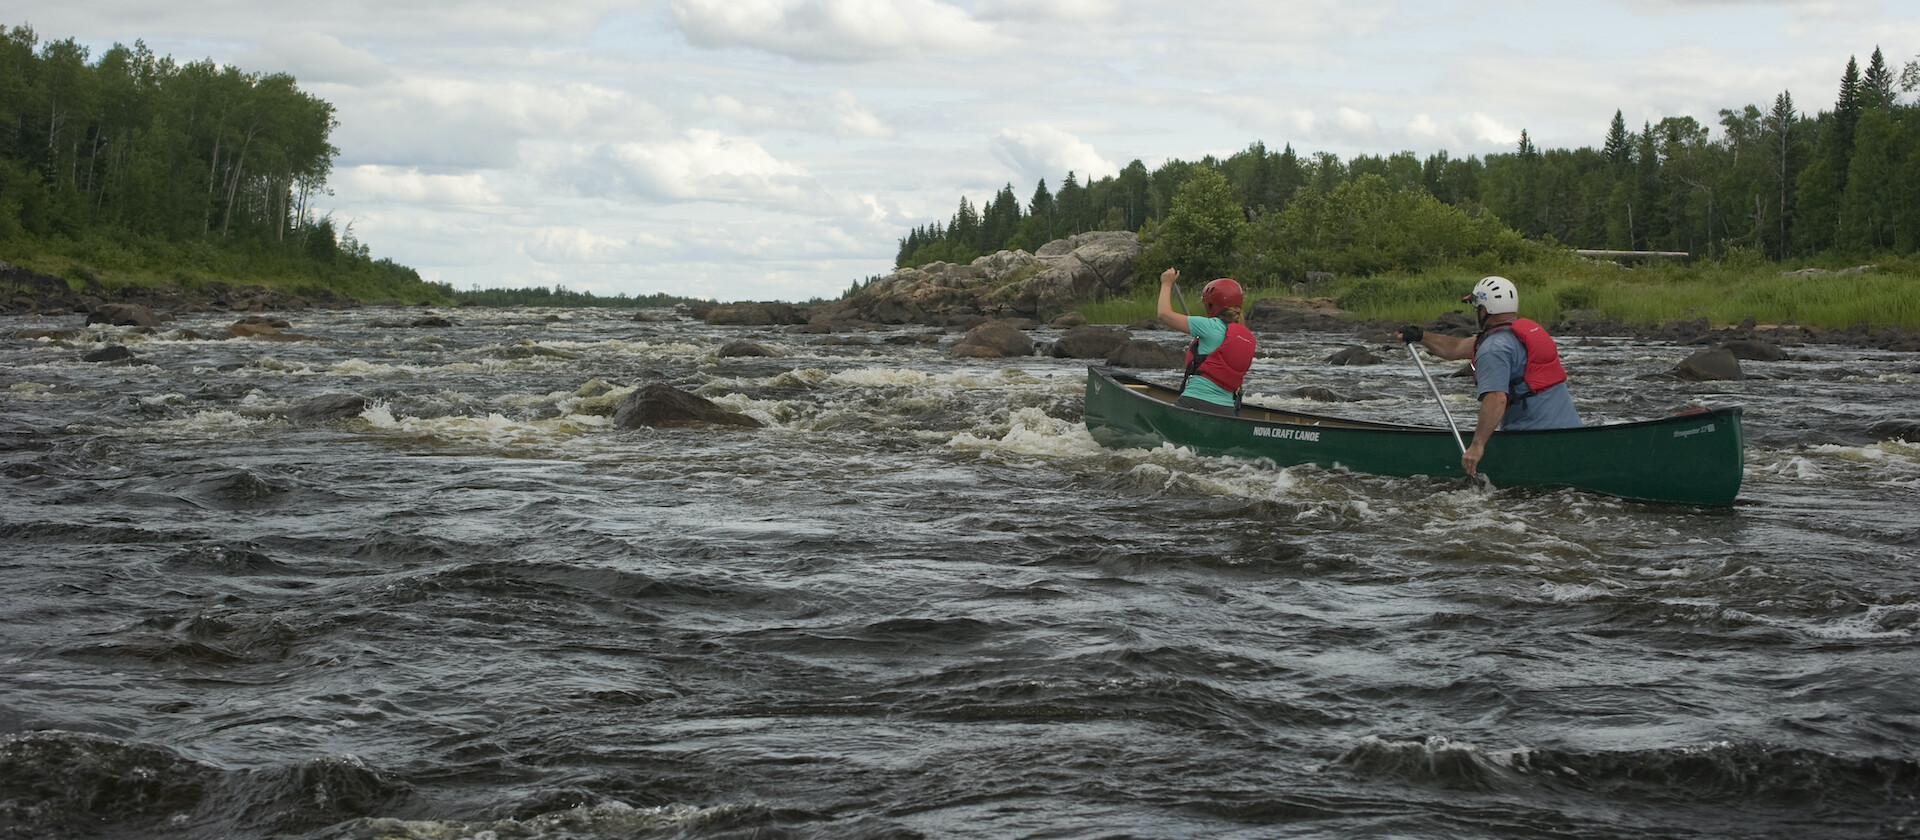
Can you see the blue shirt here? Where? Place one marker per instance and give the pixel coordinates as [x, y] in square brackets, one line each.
[1211, 332]
[1499, 365]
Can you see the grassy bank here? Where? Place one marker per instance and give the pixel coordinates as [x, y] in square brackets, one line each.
[114, 263]
[1723, 292]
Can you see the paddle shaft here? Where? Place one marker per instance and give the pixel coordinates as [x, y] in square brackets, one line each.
[1436, 397]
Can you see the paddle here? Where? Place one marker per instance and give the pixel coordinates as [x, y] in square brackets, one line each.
[1479, 478]
[1415, 352]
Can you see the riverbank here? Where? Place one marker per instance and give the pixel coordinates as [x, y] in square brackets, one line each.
[1572, 304]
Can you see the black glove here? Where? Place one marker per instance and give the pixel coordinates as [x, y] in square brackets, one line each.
[1412, 335]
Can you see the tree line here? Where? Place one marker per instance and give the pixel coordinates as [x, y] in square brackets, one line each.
[133, 152]
[1777, 183]
[561, 296]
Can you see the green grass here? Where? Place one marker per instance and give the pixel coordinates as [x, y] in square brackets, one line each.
[116, 261]
[1724, 292]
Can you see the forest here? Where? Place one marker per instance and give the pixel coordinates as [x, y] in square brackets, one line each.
[181, 172]
[1775, 184]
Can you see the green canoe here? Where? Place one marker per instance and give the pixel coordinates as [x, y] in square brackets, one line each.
[1693, 458]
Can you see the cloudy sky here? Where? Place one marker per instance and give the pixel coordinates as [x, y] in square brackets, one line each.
[779, 149]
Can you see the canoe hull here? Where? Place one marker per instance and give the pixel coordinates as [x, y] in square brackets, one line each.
[1694, 458]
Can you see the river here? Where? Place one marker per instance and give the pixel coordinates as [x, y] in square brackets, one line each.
[920, 602]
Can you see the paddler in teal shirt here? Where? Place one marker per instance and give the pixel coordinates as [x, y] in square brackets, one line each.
[1221, 351]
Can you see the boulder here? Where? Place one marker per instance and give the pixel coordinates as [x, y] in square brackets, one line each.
[1754, 349]
[1353, 355]
[1714, 365]
[659, 405]
[744, 348]
[1139, 353]
[328, 407]
[1319, 394]
[1903, 429]
[1067, 321]
[1089, 342]
[994, 340]
[109, 353]
[123, 315]
[264, 332]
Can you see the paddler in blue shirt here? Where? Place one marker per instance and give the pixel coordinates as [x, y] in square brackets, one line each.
[1516, 368]
[1221, 351]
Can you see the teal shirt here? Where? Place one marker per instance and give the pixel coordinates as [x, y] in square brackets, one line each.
[1211, 332]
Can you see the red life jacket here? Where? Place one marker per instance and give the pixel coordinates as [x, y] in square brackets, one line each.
[1228, 364]
[1543, 368]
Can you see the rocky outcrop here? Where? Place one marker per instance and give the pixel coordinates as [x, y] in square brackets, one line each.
[1064, 272]
[755, 314]
[660, 405]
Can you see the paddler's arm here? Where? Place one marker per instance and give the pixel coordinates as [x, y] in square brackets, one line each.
[1451, 347]
[1167, 315]
[1493, 406]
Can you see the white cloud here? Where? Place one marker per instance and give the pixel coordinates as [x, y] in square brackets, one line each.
[832, 30]
[1354, 123]
[317, 58]
[368, 183]
[579, 245]
[840, 115]
[1050, 10]
[703, 165]
[1043, 151]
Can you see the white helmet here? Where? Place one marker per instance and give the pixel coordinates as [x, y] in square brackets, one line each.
[1494, 294]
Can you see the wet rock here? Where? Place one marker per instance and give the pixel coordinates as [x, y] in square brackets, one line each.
[1754, 350]
[1089, 342]
[109, 353]
[660, 405]
[1289, 314]
[1714, 365]
[50, 335]
[1320, 394]
[430, 321]
[1353, 355]
[328, 407]
[1067, 321]
[123, 315]
[994, 340]
[1140, 353]
[1907, 429]
[264, 331]
[744, 348]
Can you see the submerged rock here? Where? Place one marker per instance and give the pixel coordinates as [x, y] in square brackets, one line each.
[661, 405]
[328, 407]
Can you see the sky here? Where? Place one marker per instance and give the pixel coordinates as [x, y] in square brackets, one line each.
[780, 149]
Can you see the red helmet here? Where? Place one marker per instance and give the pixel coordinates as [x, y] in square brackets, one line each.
[1220, 294]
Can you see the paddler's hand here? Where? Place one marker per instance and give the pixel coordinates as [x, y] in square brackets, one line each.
[1168, 277]
[1470, 459]
[1411, 334]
